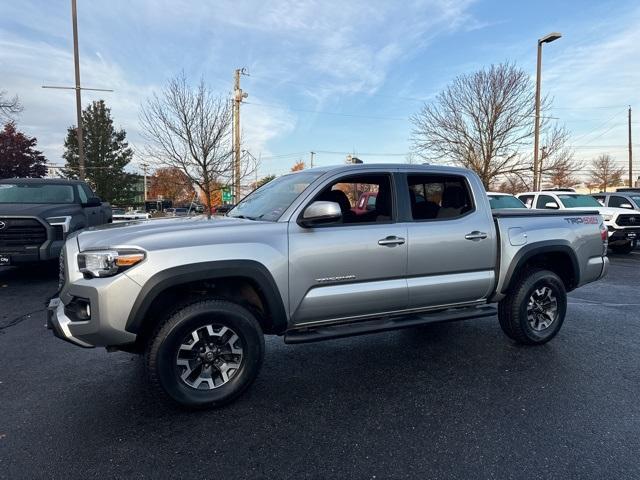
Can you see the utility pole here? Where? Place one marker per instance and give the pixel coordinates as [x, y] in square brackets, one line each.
[76, 61]
[313, 154]
[543, 155]
[630, 153]
[238, 96]
[78, 89]
[144, 169]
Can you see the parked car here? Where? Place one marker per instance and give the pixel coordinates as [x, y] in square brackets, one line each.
[623, 233]
[499, 201]
[121, 215]
[366, 203]
[287, 261]
[169, 212]
[37, 215]
[180, 212]
[627, 198]
[223, 209]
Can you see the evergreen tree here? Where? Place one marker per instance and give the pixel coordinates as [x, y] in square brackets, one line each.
[106, 153]
[18, 156]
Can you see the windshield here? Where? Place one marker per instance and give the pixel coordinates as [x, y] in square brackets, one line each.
[34, 193]
[571, 201]
[636, 199]
[271, 200]
[505, 201]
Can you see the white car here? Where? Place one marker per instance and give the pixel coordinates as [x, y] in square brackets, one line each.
[119, 215]
[622, 236]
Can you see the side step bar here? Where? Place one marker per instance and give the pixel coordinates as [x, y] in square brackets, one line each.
[316, 334]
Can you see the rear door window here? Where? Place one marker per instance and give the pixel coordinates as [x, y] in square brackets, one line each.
[439, 197]
[527, 200]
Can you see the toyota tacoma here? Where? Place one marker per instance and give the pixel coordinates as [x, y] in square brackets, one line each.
[196, 296]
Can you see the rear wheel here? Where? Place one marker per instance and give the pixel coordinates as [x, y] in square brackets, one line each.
[206, 354]
[623, 249]
[534, 310]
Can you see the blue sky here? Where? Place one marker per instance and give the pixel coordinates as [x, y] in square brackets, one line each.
[329, 76]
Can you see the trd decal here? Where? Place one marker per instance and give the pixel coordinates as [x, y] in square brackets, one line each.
[582, 220]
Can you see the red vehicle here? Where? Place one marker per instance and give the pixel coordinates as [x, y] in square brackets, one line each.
[366, 203]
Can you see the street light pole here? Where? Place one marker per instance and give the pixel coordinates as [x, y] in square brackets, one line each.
[536, 133]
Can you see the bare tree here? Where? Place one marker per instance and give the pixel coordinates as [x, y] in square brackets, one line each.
[605, 173]
[481, 121]
[9, 107]
[190, 128]
[558, 166]
[513, 184]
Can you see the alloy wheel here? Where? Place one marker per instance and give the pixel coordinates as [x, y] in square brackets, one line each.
[542, 309]
[209, 357]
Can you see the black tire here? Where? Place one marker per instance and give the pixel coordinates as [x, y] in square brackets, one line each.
[624, 249]
[512, 310]
[164, 347]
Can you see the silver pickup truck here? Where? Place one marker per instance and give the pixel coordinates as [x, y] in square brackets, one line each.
[296, 258]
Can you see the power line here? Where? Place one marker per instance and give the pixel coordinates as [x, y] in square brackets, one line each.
[323, 112]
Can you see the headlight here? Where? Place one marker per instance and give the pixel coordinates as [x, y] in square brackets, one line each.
[106, 263]
[63, 222]
[607, 218]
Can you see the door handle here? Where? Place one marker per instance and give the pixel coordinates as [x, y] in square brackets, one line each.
[476, 235]
[390, 241]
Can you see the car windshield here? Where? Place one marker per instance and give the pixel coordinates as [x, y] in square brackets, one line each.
[271, 200]
[636, 199]
[35, 193]
[505, 201]
[571, 201]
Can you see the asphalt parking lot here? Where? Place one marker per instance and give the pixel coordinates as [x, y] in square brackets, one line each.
[453, 400]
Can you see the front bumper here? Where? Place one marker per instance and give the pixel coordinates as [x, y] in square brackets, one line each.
[59, 323]
[50, 250]
[110, 300]
[624, 234]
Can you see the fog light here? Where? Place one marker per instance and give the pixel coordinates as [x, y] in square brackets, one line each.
[78, 310]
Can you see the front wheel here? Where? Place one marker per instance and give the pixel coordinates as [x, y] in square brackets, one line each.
[534, 310]
[206, 354]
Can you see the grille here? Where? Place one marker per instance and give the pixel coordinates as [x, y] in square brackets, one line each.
[17, 233]
[629, 220]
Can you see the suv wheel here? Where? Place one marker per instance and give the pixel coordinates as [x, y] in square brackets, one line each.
[534, 310]
[624, 249]
[205, 354]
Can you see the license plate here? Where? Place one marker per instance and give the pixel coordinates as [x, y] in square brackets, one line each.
[5, 260]
[631, 235]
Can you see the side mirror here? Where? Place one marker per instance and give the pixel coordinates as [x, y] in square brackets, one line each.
[92, 202]
[320, 212]
[626, 205]
[552, 205]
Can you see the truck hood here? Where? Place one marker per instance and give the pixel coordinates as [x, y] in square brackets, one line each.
[41, 210]
[151, 232]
